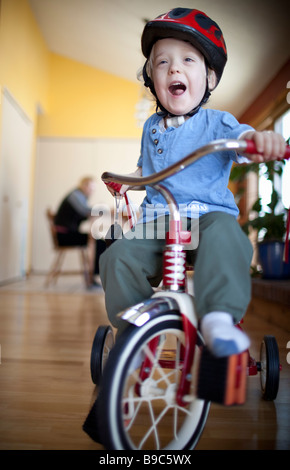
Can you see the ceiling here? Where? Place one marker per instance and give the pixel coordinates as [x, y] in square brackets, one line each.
[106, 34]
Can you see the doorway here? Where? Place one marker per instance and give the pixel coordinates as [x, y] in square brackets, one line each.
[15, 173]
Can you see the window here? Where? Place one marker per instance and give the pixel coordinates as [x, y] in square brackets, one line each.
[281, 125]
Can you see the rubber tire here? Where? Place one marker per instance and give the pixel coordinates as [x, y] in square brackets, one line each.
[110, 408]
[270, 368]
[99, 356]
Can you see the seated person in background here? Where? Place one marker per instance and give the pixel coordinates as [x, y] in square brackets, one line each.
[73, 210]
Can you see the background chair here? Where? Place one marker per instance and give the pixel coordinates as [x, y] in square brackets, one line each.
[61, 251]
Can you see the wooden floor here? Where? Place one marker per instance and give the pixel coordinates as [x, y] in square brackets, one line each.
[45, 384]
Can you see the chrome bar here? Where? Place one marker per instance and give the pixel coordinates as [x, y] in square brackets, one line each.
[151, 308]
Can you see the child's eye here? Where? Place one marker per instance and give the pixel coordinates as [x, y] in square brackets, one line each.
[189, 59]
[159, 62]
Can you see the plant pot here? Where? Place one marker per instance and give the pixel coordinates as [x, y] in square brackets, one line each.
[271, 259]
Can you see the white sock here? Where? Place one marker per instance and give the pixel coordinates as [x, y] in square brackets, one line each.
[221, 336]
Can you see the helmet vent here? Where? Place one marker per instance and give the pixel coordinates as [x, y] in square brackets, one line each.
[205, 22]
[179, 12]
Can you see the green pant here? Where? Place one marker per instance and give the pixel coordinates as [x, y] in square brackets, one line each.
[130, 267]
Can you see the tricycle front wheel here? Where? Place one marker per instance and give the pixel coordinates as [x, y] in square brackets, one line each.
[137, 402]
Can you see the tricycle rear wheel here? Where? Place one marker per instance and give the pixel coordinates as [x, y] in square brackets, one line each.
[102, 345]
[269, 368]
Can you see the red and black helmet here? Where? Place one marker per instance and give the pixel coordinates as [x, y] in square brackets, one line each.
[189, 25]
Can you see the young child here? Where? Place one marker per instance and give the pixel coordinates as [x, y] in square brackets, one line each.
[185, 57]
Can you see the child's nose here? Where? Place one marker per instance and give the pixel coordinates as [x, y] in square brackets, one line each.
[174, 68]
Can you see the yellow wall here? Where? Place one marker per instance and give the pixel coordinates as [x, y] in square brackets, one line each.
[77, 100]
[24, 65]
[86, 102]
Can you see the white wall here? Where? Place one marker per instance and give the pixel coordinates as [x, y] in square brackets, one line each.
[60, 163]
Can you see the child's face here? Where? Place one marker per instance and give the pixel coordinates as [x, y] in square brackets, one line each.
[179, 75]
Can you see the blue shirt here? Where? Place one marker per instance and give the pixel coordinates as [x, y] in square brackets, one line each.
[203, 186]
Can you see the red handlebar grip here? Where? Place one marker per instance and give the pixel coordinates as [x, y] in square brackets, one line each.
[251, 148]
[115, 186]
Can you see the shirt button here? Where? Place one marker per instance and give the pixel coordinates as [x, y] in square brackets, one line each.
[156, 141]
[160, 151]
[154, 131]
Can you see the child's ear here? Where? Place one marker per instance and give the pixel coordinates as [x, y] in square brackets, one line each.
[212, 80]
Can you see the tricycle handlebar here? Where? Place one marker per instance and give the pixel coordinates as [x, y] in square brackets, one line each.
[240, 146]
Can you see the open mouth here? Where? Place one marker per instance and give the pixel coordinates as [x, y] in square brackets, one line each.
[177, 88]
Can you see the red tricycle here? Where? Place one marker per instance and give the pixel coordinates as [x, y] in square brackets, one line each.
[157, 380]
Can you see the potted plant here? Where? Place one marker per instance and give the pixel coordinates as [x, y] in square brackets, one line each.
[270, 225]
